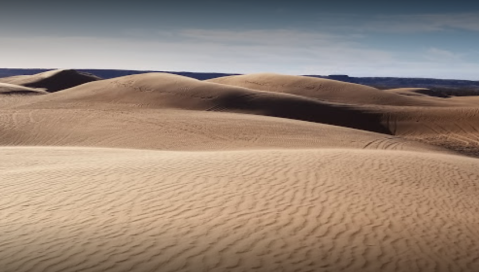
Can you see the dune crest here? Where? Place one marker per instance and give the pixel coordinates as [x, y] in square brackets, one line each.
[320, 89]
[11, 89]
[51, 81]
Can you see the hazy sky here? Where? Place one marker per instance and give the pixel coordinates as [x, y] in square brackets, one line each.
[359, 38]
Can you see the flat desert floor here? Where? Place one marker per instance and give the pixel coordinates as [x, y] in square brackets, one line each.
[260, 172]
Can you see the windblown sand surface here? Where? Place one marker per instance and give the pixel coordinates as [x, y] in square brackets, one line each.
[6, 88]
[158, 172]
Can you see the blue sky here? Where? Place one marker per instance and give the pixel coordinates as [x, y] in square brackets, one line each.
[372, 38]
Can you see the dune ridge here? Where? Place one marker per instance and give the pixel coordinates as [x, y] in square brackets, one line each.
[321, 89]
[167, 91]
[11, 89]
[51, 81]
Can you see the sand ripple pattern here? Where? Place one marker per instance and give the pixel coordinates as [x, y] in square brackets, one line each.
[86, 209]
[182, 130]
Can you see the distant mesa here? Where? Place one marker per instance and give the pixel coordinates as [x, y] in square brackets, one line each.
[51, 81]
[339, 77]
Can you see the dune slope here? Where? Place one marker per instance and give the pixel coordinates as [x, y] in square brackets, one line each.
[456, 128]
[11, 89]
[182, 130]
[321, 89]
[51, 81]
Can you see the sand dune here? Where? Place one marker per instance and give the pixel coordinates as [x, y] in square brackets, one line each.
[456, 128]
[79, 209]
[182, 130]
[11, 89]
[471, 100]
[451, 123]
[169, 112]
[158, 172]
[321, 89]
[167, 91]
[422, 94]
[51, 81]
[416, 92]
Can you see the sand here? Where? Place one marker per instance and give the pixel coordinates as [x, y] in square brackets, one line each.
[321, 89]
[11, 89]
[51, 81]
[158, 172]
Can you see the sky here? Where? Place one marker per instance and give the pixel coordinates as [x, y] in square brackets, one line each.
[406, 38]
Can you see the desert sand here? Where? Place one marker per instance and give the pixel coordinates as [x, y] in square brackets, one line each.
[51, 81]
[6, 88]
[261, 172]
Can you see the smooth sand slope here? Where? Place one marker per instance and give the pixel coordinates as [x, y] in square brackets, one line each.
[183, 130]
[51, 81]
[159, 172]
[423, 94]
[11, 89]
[321, 89]
[416, 92]
[405, 112]
[80, 209]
